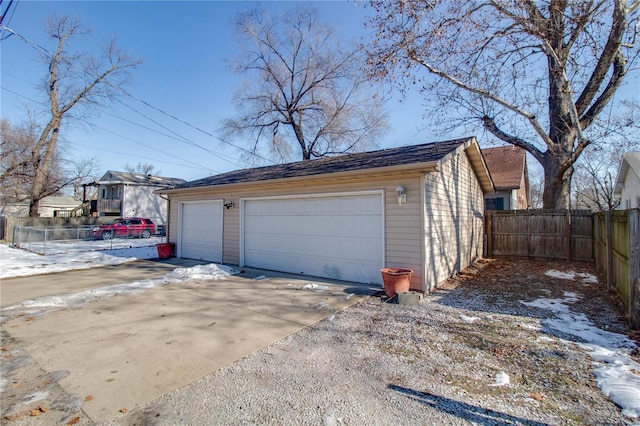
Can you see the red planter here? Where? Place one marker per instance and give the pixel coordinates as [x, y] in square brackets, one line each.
[164, 250]
[396, 280]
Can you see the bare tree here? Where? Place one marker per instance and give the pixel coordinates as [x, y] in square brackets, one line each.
[142, 169]
[595, 179]
[17, 172]
[536, 189]
[535, 74]
[73, 80]
[304, 93]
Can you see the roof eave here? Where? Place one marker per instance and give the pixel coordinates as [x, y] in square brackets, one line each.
[414, 167]
[480, 166]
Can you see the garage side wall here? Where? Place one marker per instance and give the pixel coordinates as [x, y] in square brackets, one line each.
[454, 219]
[402, 222]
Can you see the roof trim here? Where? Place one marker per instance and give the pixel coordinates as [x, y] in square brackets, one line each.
[629, 161]
[413, 158]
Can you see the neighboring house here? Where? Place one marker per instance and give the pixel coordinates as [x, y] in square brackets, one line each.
[628, 181]
[51, 206]
[124, 194]
[418, 207]
[508, 168]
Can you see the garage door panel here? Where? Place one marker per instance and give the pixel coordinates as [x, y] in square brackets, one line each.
[201, 231]
[337, 237]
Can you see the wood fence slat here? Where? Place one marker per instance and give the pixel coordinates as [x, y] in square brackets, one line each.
[545, 234]
[634, 268]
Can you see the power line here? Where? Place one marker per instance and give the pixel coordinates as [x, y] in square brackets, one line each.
[183, 138]
[162, 152]
[4, 21]
[45, 50]
[193, 126]
[199, 166]
[138, 156]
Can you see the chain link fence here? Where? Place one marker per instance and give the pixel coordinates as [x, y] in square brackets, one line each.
[47, 240]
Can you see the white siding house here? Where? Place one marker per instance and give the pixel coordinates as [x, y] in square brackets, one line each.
[342, 217]
[628, 181]
[124, 194]
[51, 206]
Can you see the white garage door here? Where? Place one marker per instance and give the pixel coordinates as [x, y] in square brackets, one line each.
[338, 237]
[201, 231]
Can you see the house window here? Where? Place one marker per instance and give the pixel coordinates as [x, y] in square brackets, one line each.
[627, 204]
[104, 193]
[494, 204]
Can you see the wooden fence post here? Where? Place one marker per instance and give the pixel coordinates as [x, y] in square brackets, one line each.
[567, 236]
[609, 251]
[596, 244]
[634, 269]
[488, 226]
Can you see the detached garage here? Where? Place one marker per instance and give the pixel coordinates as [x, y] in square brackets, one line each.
[346, 217]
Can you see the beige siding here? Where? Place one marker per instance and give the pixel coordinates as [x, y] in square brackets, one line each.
[402, 223]
[453, 224]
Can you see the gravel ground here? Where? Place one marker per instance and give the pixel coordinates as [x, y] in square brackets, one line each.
[381, 363]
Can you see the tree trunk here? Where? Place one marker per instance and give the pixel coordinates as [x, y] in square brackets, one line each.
[34, 207]
[43, 164]
[557, 185]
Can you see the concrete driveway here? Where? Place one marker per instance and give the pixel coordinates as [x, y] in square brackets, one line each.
[127, 350]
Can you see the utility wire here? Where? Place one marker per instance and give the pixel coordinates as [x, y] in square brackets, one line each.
[4, 21]
[199, 166]
[160, 151]
[194, 127]
[124, 137]
[45, 50]
[138, 156]
[181, 137]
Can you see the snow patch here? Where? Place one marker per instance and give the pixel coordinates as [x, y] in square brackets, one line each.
[501, 379]
[468, 319]
[584, 277]
[315, 287]
[616, 373]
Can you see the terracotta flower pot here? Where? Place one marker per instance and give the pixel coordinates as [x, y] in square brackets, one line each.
[396, 280]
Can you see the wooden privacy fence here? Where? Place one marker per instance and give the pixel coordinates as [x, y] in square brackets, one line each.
[611, 239]
[617, 246]
[549, 234]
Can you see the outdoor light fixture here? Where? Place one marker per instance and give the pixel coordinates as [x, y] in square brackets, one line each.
[229, 205]
[402, 195]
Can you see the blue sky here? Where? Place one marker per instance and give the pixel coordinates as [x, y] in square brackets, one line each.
[186, 48]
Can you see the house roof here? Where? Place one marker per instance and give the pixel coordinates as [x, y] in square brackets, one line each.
[506, 165]
[59, 201]
[114, 177]
[630, 161]
[382, 160]
[52, 201]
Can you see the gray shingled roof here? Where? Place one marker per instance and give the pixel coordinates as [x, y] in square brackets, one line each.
[406, 155]
[138, 179]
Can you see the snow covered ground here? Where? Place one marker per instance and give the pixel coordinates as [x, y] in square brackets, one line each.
[617, 375]
[16, 262]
